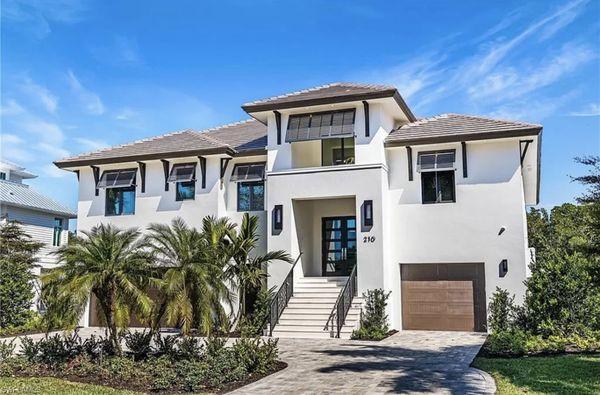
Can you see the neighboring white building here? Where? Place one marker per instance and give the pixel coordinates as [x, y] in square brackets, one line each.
[42, 218]
[432, 210]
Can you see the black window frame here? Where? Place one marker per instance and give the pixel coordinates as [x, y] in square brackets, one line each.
[121, 190]
[250, 184]
[343, 153]
[56, 234]
[178, 196]
[2, 175]
[191, 183]
[235, 177]
[437, 190]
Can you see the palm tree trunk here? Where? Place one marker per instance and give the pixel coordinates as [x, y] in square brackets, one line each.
[111, 322]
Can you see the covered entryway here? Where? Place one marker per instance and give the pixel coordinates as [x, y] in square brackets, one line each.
[447, 296]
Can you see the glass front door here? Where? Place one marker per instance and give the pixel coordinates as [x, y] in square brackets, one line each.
[339, 245]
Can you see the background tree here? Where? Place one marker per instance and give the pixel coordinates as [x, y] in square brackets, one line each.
[108, 263]
[193, 285]
[246, 270]
[17, 262]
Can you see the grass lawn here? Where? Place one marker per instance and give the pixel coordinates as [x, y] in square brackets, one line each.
[565, 374]
[47, 386]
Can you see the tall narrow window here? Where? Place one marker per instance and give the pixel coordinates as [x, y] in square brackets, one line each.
[337, 151]
[251, 196]
[57, 231]
[437, 176]
[2, 175]
[184, 177]
[120, 191]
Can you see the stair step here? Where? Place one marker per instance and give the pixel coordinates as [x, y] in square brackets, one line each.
[305, 328]
[301, 322]
[330, 284]
[335, 291]
[300, 335]
[314, 297]
[322, 279]
[314, 316]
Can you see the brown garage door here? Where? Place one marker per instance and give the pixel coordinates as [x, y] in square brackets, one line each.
[449, 296]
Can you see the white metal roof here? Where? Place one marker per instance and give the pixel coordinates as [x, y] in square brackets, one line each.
[21, 195]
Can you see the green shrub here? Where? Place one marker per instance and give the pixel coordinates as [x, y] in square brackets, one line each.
[214, 345]
[33, 324]
[6, 349]
[374, 320]
[501, 311]
[165, 345]
[139, 343]
[256, 355]
[17, 261]
[507, 343]
[189, 348]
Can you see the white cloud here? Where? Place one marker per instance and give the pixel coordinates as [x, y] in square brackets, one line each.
[11, 108]
[44, 131]
[590, 110]
[52, 171]
[53, 151]
[125, 114]
[90, 101]
[40, 94]
[6, 138]
[91, 145]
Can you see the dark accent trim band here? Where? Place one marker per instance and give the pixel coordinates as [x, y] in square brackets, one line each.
[410, 163]
[203, 170]
[96, 171]
[166, 171]
[332, 100]
[464, 158]
[142, 166]
[464, 137]
[366, 106]
[278, 124]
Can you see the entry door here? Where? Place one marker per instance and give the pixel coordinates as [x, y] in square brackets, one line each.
[339, 245]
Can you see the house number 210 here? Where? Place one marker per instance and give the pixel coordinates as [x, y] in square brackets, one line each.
[369, 239]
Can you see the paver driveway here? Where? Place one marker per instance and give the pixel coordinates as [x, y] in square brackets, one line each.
[408, 362]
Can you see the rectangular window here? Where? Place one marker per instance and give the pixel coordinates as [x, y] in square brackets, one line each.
[120, 201]
[320, 125]
[184, 177]
[57, 232]
[251, 196]
[429, 161]
[337, 151]
[2, 176]
[438, 187]
[117, 179]
[185, 190]
[248, 172]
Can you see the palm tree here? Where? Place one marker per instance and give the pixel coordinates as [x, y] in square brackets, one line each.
[246, 269]
[109, 263]
[193, 285]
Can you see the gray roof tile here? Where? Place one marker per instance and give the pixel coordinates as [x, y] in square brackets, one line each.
[21, 195]
[458, 127]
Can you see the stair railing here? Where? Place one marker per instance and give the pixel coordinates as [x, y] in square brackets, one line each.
[281, 299]
[342, 306]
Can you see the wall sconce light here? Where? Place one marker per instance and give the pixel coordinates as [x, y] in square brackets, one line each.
[367, 213]
[503, 267]
[277, 217]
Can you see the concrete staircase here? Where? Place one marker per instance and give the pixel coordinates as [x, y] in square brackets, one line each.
[310, 306]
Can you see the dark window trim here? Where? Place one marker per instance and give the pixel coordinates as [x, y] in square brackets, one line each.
[343, 149]
[250, 183]
[122, 189]
[453, 188]
[195, 164]
[118, 170]
[178, 197]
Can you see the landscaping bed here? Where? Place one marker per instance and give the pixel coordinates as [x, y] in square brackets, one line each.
[165, 365]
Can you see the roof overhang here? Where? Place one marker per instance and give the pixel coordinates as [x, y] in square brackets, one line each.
[393, 93]
[70, 215]
[463, 137]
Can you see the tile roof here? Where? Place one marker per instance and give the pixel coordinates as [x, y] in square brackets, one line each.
[239, 137]
[458, 127]
[331, 93]
[21, 195]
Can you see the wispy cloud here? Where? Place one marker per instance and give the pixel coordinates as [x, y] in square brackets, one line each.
[590, 110]
[122, 50]
[36, 17]
[11, 108]
[125, 114]
[91, 145]
[40, 94]
[90, 101]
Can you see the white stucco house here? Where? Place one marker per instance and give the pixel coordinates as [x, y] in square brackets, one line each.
[346, 178]
[40, 217]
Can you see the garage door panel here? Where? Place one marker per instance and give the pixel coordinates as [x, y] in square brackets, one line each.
[443, 297]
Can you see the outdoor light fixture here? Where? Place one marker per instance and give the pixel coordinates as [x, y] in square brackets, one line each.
[503, 267]
[278, 217]
[368, 213]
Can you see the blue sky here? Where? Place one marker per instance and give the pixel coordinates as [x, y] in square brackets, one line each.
[80, 75]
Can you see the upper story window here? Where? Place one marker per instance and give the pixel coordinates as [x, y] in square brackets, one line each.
[321, 125]
[437, 176]
[250, 186]
[58, 227]
[337, 151]
[120, 191]
[2, 175]
[184, 177]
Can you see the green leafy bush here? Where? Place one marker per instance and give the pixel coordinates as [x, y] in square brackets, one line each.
[139, 343]
[501, 311]
[517, 342]
[6, 349]
[17, 261]
[166, 345]
[374, 320]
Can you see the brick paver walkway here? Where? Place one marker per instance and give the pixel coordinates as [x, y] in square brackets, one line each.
[408, 362]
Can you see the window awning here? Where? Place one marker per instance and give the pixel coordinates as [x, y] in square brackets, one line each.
[248, 172]
[182, 172]
[117, 179]
[431, 161]
[320, 125]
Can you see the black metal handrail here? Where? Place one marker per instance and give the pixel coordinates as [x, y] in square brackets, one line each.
[281, 299]
[342, 305]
